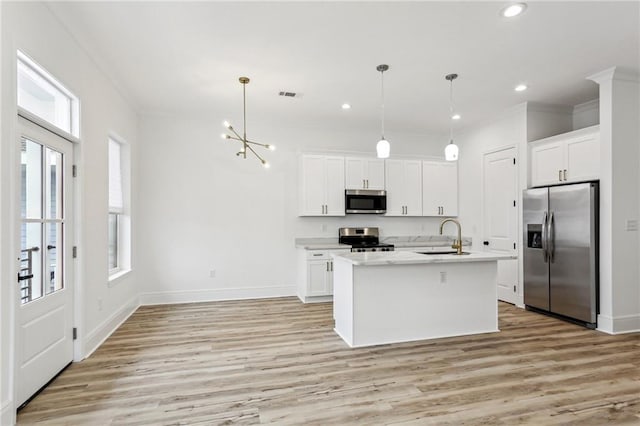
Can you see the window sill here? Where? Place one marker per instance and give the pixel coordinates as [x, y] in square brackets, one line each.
[118, 276]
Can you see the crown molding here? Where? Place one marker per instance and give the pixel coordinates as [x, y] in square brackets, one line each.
[615, 73]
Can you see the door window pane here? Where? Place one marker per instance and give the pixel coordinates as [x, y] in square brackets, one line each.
[53, 182]
[53, 262]
[30, 262]
[31, 188]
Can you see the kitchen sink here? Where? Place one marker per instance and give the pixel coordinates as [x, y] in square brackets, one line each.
[442, 252]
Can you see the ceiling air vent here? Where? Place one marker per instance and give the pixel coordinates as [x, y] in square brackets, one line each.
[290, 94]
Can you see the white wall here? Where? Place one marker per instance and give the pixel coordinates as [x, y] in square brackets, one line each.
[32, 28]
[586, 114]
[619, 200]
[206, 209]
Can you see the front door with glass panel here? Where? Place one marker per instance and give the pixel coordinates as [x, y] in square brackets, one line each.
[44, 334]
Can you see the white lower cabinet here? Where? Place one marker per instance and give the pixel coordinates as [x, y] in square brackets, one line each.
[315, 278]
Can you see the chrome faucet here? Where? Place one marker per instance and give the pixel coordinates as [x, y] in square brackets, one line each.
[457, 244]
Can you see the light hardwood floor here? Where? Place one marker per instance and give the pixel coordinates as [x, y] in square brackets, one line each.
[278, 361]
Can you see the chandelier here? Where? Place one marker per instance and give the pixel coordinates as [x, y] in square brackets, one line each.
[246, 143]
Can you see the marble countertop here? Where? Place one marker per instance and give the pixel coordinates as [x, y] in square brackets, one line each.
[404, 241]
[407, 258]
[320, 244]
[423, 241]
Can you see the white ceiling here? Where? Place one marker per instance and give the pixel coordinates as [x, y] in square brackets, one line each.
[186, 57]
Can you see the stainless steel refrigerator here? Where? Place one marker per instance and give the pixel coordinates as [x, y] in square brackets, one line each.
[561, 251]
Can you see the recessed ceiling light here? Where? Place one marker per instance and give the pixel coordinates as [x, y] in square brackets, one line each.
[512, 10]
[521, 88]
[456, 117]
[346, 106]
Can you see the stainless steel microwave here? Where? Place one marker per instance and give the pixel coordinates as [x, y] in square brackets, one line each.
[365, 201]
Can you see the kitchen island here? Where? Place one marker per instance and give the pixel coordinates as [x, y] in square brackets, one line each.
[390, 297]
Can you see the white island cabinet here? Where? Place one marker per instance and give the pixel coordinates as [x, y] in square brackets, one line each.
[391, 297]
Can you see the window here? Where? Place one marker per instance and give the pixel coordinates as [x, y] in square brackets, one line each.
[116, 206]
[40, 94]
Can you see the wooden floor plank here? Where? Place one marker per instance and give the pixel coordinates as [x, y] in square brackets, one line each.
[278, 361]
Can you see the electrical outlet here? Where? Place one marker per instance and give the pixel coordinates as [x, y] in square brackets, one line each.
[632, 225]
[212, 273]
[443, 277]
[99, 304]
[324, 227]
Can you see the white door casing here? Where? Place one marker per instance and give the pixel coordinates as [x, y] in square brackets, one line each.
[44, 309]
[500, 216]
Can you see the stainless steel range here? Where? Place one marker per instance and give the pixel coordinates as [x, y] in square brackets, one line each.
[363, 239]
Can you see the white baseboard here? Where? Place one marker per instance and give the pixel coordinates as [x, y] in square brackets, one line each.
[7, 413]
[619, 325]
[192, 296]
[102, 332]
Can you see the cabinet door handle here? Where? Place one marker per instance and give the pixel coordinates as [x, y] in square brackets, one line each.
[367, 183]
[327, 266]
[331, 267]
[560, 175]
[364, 185]
[565, 174]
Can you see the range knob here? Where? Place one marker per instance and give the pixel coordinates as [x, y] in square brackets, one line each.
[373, 249]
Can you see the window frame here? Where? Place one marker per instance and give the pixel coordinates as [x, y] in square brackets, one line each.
[73, 134]
[122, 218]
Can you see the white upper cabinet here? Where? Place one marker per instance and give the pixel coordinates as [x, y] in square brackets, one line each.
[322, 185]
[439, 188]
[364, 173]
[570, 157]
[403, 180]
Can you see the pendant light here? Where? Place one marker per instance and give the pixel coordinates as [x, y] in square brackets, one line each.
[382, 148]
[246, 143]
[451, 151]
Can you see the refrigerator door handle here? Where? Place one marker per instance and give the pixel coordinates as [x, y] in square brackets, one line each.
[544, 237]
[550, 235]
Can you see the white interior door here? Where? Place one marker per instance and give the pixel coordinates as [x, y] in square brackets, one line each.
[44, 313]
[500, 180]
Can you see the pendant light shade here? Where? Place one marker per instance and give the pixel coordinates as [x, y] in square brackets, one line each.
[383, 148]
[451, 150]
